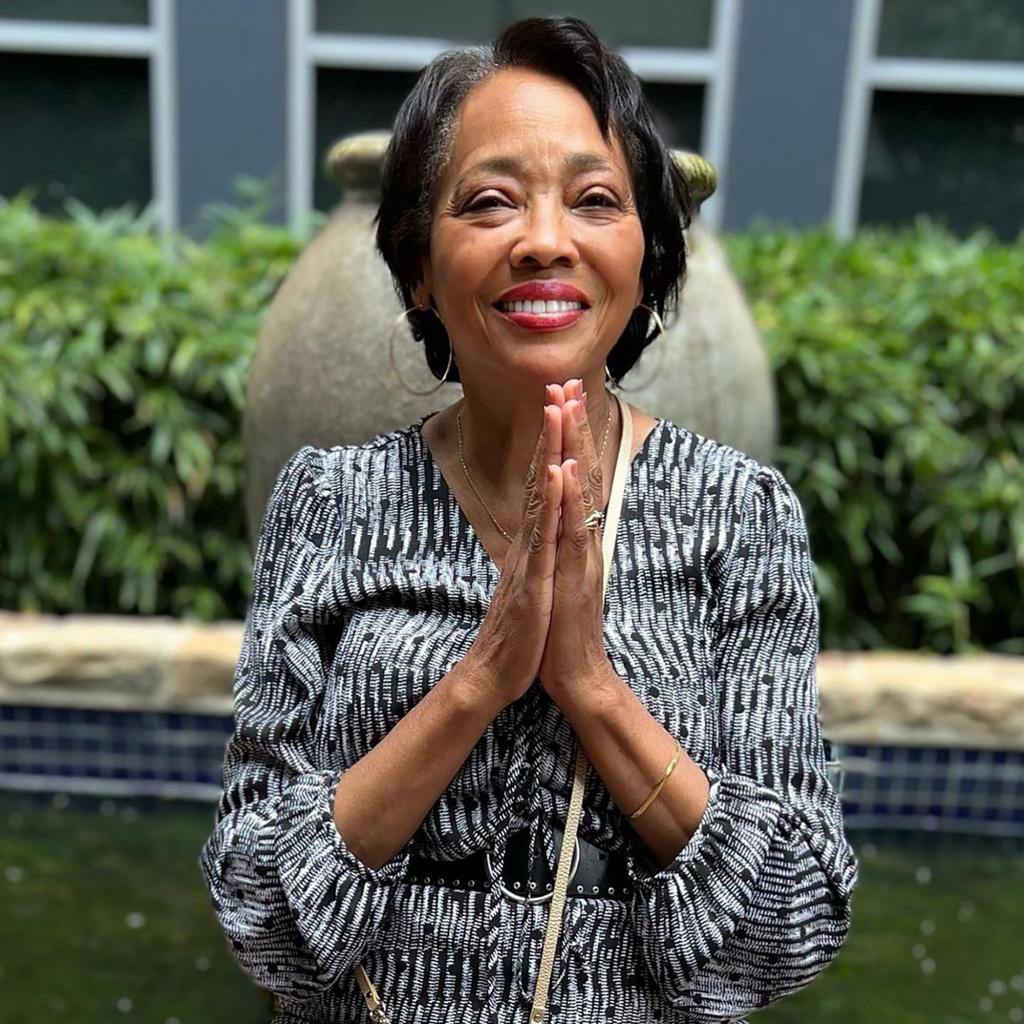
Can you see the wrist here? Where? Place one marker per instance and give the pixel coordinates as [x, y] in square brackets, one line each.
[594, 692]
[475, 689]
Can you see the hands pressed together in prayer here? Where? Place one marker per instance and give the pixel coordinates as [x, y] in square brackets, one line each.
[546, 618]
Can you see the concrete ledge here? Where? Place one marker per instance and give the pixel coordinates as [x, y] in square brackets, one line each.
[902, 698]
[906, 698]
[118, 661]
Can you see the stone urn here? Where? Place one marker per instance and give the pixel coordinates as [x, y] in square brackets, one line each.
[321, 374]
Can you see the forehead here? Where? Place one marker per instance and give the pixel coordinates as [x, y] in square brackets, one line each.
[542, 123]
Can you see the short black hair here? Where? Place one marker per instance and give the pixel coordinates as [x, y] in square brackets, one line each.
[565, 48]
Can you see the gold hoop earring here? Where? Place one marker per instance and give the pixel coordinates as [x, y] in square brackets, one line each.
[391, 352]
[661, 331]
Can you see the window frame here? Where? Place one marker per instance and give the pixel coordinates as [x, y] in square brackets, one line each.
[867, 73]
[310, 50]
[155, 43]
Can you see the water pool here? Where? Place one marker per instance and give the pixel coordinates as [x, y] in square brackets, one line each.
[106, 918]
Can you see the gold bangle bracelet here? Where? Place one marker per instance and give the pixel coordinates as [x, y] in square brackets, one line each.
[658, 785]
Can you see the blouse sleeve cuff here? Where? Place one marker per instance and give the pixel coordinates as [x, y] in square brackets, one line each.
[339, 904]
[306, 824]
[393, 870]
[828, 845]
[732, 838]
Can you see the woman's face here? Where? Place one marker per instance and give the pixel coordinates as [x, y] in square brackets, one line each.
[532, 192]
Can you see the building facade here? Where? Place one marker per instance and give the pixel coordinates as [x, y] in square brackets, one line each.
[849, 112]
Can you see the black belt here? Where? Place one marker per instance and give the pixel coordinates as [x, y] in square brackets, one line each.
[594, 873]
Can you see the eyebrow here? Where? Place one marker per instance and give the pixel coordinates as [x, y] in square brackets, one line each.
[576, 163]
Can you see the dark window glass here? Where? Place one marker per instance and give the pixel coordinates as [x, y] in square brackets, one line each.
[685, 23]
[458, 20]
[76, 126]
[956, 157]
[678, 112]
[107, 12]
[350, 100]
[952, 29]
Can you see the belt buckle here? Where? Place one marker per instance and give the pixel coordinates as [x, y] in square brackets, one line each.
[543, 897]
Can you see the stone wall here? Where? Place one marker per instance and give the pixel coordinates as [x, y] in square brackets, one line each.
[900, 698]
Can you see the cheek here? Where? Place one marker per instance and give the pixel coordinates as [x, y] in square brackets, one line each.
[619, 257]
[460, 261]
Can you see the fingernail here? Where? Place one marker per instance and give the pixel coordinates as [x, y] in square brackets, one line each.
[575, 470]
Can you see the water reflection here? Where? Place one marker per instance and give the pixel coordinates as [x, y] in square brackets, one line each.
[109, 890]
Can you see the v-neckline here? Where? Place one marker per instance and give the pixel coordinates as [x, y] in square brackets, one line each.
[440, 485]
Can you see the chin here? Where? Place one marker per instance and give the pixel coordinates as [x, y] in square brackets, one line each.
[553, 371]
[547, 359]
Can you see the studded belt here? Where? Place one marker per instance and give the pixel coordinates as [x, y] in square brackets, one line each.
[594, 873]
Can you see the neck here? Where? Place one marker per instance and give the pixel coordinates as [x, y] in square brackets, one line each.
[499, 436]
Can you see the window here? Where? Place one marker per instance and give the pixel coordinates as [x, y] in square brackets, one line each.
[678, 109]
[76, 126]
[361, 71]
[663, 23]
[106, 12]
[380, 95]
[462, 21]
[958, 158]
[958, 30]
[935, 116]
[86, 100]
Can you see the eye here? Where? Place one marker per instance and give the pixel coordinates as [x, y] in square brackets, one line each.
[603, 199]
[591, 198]
[485, 203]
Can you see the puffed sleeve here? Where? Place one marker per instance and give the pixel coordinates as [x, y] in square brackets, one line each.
[759, 901]
[296, 905]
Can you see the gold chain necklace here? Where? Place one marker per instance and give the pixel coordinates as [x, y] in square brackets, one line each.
[465, 468]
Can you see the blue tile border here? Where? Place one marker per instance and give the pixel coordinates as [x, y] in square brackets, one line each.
[180, 754]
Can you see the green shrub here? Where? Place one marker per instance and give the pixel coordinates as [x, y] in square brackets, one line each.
[898, 356]
[899, 364]
[122, 367]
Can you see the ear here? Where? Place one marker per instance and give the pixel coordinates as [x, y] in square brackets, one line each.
[423, 289]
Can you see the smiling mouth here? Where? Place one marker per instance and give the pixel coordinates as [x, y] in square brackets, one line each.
[541, 315]
[540, 307]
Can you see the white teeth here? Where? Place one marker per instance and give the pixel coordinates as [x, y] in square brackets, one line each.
[539, 306]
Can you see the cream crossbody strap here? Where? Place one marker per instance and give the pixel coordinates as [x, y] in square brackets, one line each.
[378, 1012]
[572, 821]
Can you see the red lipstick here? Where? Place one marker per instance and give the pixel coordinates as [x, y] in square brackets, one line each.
[532, 309]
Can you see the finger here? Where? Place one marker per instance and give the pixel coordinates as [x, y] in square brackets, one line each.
[543, 551]
[557, 436]
[574, 388]
[530, 485]
[579, 444]
[573, 549]
[548, 450]
[558, 394]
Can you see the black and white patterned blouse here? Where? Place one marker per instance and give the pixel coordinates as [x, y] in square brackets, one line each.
[369, 584]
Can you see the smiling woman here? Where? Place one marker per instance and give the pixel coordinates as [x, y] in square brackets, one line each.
[524, 189]
[433, 642]
[547, 120]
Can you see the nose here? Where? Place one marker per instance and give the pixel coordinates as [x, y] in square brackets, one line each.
[546, 236]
